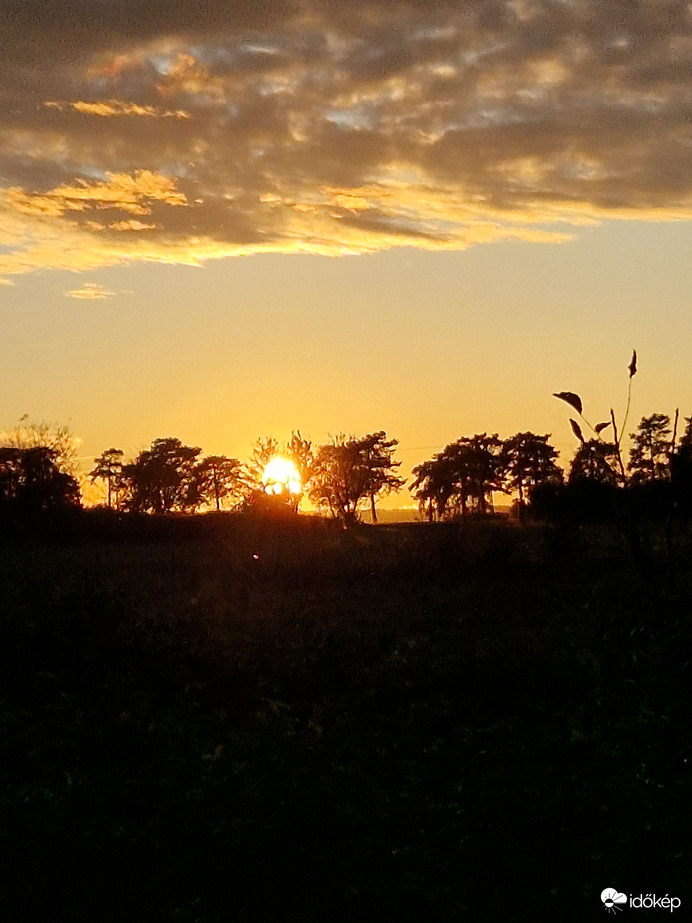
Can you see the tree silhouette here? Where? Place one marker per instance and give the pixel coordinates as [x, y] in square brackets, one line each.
[686, 438]
[31, 481]
[161, 479]
[276, 496]
[54, 436]
[529, 462]
[377, 453]
[10, 473]
[264, 449]
[300, 452]
[483, 471]
[594, 460]
[340, 480]
[433, 485]
[681, 471]
[349, 472]
[462, 478]
[651, 451]
[215, 479]
[108, 467]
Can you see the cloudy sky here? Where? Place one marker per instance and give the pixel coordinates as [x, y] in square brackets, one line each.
[219, 221]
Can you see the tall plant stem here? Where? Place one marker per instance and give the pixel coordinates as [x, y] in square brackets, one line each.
[627, 408]
[675, 434]
[617, 443]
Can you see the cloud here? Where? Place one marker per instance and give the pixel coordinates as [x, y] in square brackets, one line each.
[162, 134]
[133, 195]
[90, 291]
[115, 107]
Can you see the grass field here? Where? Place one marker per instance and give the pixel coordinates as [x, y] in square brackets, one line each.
[287, 721]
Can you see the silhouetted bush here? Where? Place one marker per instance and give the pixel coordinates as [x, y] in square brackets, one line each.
[547, 502]
[650, 499]
[681, 481]
[580, 500]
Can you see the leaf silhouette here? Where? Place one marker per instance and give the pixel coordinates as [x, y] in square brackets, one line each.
[599, 427]
[633, 363]
[571, 398]
[576, 429]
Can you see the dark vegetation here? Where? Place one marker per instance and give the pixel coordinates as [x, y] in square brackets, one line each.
[258, 716]
[231, 717]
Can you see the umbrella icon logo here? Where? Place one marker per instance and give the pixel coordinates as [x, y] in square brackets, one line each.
[611, 898]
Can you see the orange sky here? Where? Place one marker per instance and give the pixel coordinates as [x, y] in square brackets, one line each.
[419, 217]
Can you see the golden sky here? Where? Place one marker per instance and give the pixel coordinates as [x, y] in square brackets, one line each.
[507, 183]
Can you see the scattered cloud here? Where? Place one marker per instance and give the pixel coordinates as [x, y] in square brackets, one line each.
[90, 291]
[113, 107]
[120, 191]
[334, 128]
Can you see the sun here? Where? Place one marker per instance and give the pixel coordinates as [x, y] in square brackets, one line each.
[280, 476]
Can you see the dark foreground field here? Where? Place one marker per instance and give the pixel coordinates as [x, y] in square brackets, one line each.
[281, 722]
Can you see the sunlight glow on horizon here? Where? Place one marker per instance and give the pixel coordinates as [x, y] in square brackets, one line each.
[280, 476]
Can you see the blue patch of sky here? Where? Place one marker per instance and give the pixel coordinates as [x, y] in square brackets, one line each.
[163, 64]
[91, 171]
[357, 117]
[434, 33]
[272, 88]
[174, 168]
[259, 46]
[473, 56]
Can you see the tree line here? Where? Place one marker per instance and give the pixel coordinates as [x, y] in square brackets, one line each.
[340, 476]
[347, 475]
[38, 473]
[463, 478]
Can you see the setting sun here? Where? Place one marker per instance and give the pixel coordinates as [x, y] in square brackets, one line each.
[281, 476]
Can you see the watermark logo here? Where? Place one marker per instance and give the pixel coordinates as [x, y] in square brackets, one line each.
[614, 901]
[611, 898]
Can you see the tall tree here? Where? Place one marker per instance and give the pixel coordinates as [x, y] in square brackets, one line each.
[462, 478]
[161, 479]
[340, 480]
[433, 485]
[299, 450]
[377, 453]
[264, 449]
[651, 449]
[528, 461]
[350, 472]
[481, 471]
[216, 479]
[108, 467]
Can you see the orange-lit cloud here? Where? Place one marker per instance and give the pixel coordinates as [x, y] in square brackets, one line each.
[132, 194]
[90, 291]
[114, 107]
[334, 128]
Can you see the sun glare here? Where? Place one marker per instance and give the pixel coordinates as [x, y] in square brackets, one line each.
[281, 476]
